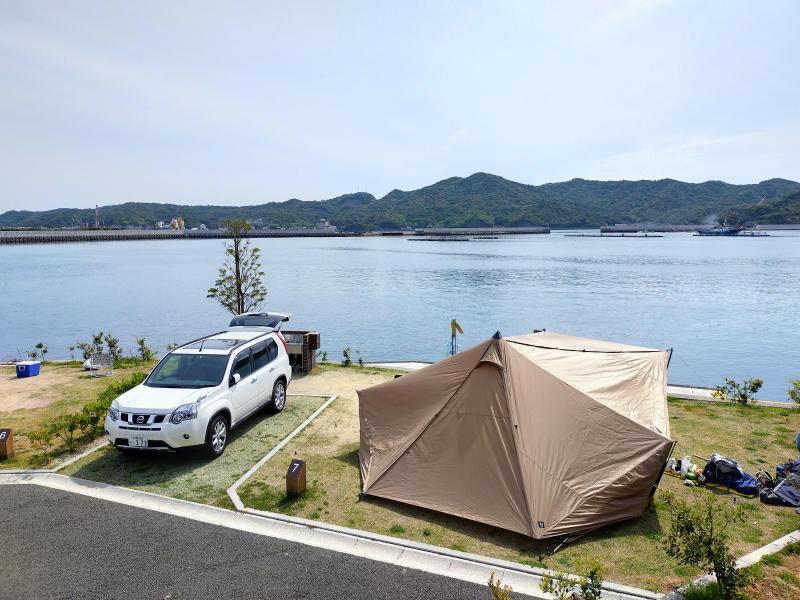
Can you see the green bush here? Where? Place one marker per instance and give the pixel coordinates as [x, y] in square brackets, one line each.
[698, 536]
[93, 416]
[743, 393]
[588, 584]
[145, 352]
[695, 591]
[39, 352]
[42, 439]
[66, 427]
[499, 591]
[794, 391]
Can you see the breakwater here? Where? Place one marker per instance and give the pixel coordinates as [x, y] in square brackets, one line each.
[55, 236]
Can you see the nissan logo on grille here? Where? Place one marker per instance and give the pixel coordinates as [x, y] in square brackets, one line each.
[140, 419]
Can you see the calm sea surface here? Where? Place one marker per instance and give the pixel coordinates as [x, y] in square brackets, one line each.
[729, 307]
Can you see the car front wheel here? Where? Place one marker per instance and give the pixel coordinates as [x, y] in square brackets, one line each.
[278, 397]
[216, 437]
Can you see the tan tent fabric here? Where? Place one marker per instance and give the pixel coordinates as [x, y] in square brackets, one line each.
[491, 436]
[630, 379]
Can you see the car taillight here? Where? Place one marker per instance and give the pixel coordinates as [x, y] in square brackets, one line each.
[283, 341]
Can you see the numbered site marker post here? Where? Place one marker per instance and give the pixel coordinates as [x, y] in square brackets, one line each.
[296, 478]
[7, 446]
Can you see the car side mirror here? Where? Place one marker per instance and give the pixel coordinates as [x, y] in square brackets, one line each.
[235, 378]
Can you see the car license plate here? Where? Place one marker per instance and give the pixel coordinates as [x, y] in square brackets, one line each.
[137, 442]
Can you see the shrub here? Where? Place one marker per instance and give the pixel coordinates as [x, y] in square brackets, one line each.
[144, 351]
[698, 536]
[42, 439]
[93, 415]
[346, 360]
[171, 346]
[588, 584]
[65, 427]
[39, 351]
[100, 343]
[113, 346]
[324, 357]
[699, 591]
[499, 591]
[794, 391]
[397, 529]
[743, 393]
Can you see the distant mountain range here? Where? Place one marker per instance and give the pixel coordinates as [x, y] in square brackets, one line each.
[480, 200]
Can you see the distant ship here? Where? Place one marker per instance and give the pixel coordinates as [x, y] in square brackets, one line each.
[720, 230]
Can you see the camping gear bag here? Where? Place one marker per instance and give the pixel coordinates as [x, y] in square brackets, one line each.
[723, 472]
[793, 466]
[782, 494]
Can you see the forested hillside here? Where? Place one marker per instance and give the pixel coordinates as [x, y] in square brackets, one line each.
[481, 199]
[784, 210]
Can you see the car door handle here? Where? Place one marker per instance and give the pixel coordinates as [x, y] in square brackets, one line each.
[254, 379]
[272, 369]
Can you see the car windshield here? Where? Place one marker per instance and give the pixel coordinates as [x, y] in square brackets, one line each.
[189, 371]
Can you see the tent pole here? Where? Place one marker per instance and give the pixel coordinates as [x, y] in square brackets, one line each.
[669, 358]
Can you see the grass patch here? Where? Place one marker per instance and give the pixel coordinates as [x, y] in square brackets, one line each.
[61, 388]
[701, 592]
[188, 476]
[631, 550]
[789, 578]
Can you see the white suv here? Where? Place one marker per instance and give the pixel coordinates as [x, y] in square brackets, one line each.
[201, 390]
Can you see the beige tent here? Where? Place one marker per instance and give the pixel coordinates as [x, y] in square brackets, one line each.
[542, 434]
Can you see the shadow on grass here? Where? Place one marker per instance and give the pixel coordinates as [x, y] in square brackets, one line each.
[349, 457]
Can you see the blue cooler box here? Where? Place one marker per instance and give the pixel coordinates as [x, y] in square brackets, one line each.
[28, 368]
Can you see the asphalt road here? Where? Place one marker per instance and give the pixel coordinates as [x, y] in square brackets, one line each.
[55, 544]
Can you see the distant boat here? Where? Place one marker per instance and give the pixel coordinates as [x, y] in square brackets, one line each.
[720, 230]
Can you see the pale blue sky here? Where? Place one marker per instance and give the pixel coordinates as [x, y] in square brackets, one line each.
[242, 103]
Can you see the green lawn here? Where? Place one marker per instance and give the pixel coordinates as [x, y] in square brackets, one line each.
[757, 437]
[186, 475]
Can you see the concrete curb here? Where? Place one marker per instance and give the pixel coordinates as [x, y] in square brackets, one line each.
[411, 555]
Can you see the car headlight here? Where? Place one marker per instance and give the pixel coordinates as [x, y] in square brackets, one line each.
[113, 411]
[183, 413]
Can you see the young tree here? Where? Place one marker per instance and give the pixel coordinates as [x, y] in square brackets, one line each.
[698, 535]
[239, 287]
